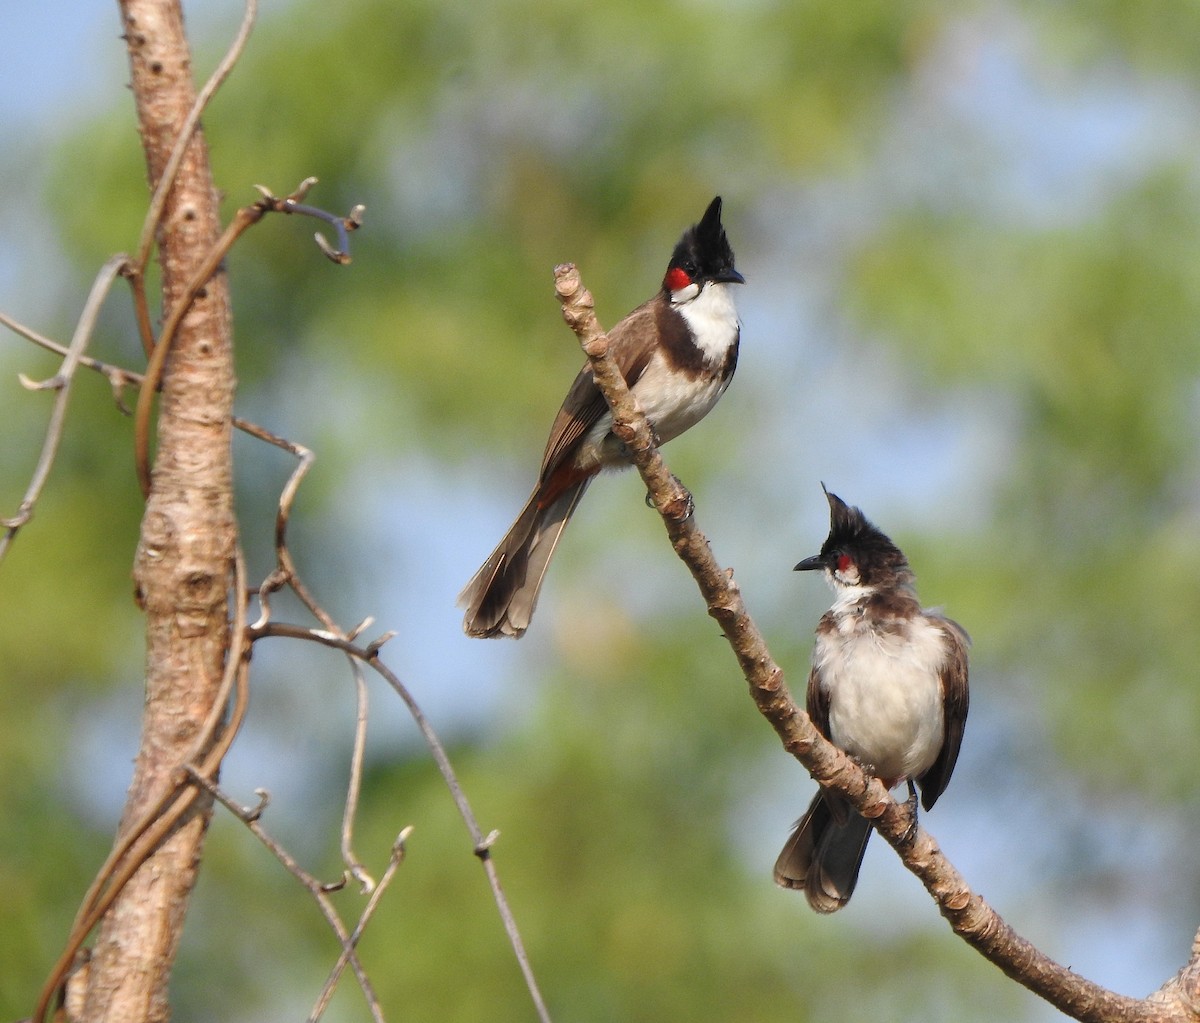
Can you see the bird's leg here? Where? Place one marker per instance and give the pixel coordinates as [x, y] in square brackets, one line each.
[910, 808]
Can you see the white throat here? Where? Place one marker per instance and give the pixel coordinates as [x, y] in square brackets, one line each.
[711, 315]
[845, 596]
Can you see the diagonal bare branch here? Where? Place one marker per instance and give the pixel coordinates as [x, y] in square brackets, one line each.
[969, 916]
[60, 383]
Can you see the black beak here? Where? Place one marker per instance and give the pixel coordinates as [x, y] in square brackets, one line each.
[810, 564]
[730, 276]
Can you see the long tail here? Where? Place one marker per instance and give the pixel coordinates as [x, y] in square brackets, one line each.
[501, 596]
[823, 854]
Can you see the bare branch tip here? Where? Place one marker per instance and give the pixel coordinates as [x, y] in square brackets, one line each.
[336, 886]
[484, 848]
[339, 256]
[366, 883]
[375, 646]
[302, 189]
[399, 847]
[568, 286]
[252, 813]
[54, 383]
[361, 627]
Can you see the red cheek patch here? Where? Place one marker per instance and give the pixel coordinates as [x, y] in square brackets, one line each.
[677, 279]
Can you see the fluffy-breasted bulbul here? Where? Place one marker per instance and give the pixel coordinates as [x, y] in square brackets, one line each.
[888, 685]
[677, 353]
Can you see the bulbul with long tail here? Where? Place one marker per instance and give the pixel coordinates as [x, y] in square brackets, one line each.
[677, 352]
[888, 685]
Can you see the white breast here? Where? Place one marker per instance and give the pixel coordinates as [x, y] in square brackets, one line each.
[674, 401]
[885, 696]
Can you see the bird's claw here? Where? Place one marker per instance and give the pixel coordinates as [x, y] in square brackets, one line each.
[910, 810]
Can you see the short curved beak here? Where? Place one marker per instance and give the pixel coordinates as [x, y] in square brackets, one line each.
[810, 564]
[730, 276]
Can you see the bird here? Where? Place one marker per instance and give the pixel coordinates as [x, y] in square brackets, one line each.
[677, 352]
[888, 685]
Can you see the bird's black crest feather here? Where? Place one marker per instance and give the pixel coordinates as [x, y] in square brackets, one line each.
[704, 245]
[852, 532]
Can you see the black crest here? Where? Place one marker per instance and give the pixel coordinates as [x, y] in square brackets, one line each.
[850, 532]
[704, 252]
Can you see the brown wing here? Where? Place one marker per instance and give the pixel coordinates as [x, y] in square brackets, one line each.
[817, 702]
[817, 705]
[954, 709]
[584, 404]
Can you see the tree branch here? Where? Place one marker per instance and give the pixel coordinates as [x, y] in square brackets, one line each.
[60, 383]
[319, 890]
[969, 916]
[369, 655]
[197, 282]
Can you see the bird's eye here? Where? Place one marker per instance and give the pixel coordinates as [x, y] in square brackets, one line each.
[844, 563]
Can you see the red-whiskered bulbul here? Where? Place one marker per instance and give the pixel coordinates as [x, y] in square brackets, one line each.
[888, 685]
[677, 353]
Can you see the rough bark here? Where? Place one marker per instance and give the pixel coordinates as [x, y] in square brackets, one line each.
[188, 538]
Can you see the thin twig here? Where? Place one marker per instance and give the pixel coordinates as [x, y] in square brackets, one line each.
[319, 890]
[61, 383]
[243, 220]
[481, 843]
[969, 916]
[354, 785]
[397, 858]
[339, 253]
[286, 574]
[121, 377]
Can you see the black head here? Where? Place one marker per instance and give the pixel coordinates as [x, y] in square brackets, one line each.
[856, 553]
[702, 254]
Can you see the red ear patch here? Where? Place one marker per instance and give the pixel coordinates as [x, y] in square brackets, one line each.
[677, 279]
[844, 563]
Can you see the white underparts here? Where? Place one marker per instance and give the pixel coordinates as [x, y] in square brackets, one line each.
[885, 693]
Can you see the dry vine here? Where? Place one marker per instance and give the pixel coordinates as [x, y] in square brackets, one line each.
[1177, 1001]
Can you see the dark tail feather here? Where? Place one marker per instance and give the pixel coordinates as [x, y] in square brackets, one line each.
[823, 855]
[501, 596]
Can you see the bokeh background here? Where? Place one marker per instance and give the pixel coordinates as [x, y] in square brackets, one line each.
[972, 239]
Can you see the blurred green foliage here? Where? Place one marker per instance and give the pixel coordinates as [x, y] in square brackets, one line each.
[622, 761]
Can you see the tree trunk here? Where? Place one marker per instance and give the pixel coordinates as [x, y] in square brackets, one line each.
[188, 538]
